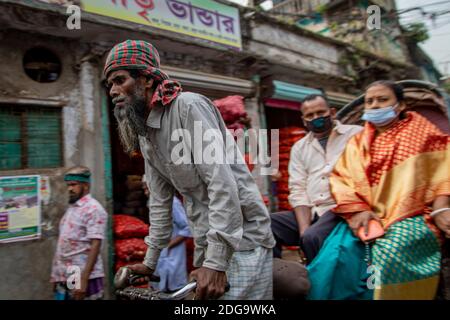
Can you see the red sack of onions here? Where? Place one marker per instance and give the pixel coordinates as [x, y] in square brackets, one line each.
[130, 249]
[232, 108]
[129, 227]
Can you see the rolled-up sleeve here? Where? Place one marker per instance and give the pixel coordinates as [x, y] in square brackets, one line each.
[224, 216]
[298, 195]
[160, 207]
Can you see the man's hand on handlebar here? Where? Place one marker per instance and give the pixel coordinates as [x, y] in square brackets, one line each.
[141, 269]
[211, 284]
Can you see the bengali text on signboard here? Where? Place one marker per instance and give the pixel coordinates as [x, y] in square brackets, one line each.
[205, 19]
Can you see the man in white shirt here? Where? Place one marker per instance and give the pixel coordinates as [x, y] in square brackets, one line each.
[311, 162]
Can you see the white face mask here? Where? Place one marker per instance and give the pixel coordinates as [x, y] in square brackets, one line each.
[380, 117]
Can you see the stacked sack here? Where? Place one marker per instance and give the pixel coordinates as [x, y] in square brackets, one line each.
[129, 234]
[130, 248]
[232, 109]
[288, 136]
[135, 200]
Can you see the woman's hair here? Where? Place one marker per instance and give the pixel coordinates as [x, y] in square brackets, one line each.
[395, 87]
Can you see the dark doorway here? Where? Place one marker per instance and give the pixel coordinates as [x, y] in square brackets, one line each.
[127, 171]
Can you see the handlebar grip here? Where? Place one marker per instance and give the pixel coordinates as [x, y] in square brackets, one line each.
[135, 278]
[191, 286]
[124, 278]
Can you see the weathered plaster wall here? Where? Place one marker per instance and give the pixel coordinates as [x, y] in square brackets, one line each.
[25, 266]
[284, 47]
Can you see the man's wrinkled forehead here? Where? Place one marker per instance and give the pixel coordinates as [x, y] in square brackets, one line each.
[317, 103]
[116, 74]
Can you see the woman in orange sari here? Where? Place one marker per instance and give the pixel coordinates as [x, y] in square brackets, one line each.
[397, 171]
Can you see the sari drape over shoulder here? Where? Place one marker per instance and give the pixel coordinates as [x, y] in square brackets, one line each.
[396, 174]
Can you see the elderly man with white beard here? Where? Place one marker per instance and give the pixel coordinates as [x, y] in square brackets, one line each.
[228, 218]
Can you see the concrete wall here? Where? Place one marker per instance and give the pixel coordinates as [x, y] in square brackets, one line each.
[253, 110]
[25, 266]
[280, 46]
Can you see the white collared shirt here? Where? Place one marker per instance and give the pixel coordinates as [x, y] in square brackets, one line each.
[310, 167]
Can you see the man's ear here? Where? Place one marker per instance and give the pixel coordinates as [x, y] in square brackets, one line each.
[304, 122]
[333, 112]
[86, 187]
[149, 82]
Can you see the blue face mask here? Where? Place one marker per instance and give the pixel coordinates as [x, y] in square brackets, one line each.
[380, 117]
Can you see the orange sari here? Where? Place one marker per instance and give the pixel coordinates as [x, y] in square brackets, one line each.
[398, 174]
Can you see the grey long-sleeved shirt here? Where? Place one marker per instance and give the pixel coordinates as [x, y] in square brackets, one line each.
[225, 209]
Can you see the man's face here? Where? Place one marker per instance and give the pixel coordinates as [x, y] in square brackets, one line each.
[122, 87]
[378, 97]
[76, 190]
[316, 108]
[130, 106]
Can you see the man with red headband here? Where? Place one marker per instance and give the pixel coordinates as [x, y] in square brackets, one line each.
[228, 218]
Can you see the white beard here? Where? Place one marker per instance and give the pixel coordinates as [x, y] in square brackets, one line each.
[131, 124]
